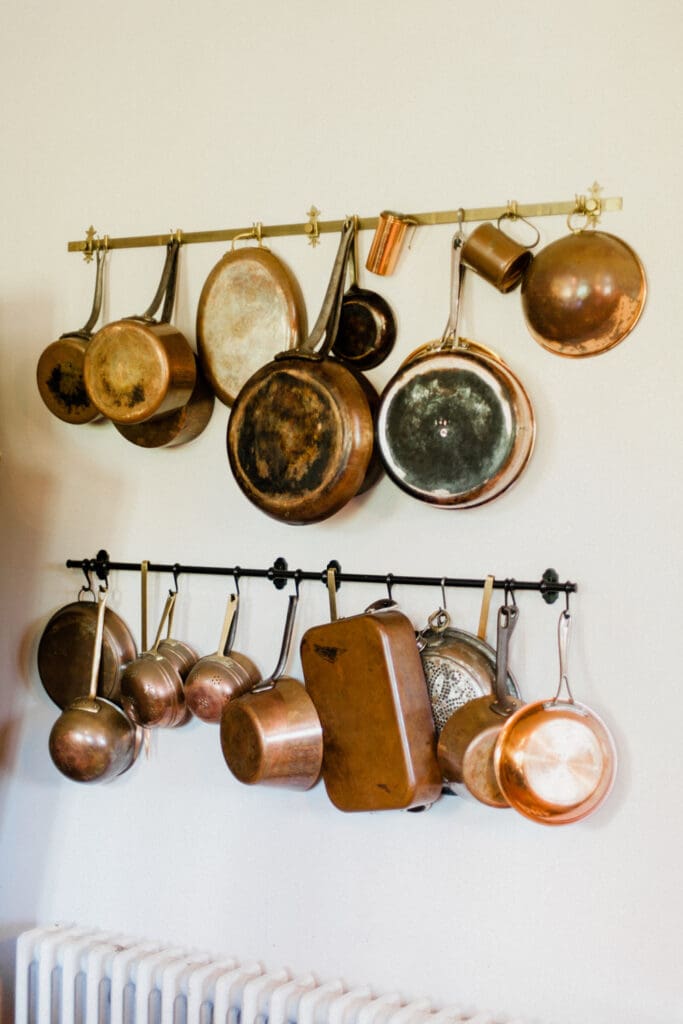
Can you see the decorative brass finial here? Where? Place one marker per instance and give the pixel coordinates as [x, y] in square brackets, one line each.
[311, 228]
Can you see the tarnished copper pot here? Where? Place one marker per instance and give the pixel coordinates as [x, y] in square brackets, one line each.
[300, 435]
[583, 294]
[139, 368]
[175, 428]
[59, 373]
[273, 736]
[93, 740]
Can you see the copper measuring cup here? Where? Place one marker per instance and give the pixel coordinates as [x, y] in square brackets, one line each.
[498, 257]
[272, 736]
[93, 740]
[218, 678]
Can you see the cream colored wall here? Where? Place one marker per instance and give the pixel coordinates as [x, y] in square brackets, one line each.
[145, 117]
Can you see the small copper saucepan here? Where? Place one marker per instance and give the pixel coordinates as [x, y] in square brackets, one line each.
[220, 677]
[93, 740]
[272, 735]
[152, 692]
[555, 760]
[465, 747]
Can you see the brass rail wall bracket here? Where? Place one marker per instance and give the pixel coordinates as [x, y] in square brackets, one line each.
[590, 206]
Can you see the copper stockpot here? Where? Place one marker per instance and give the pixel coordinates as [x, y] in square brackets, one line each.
[218, 678]
[272, 736]
[466, 744]
[139, 368]
[152, 692]
[59, 373]
[93, 740]
[583, 293]
[301, 435]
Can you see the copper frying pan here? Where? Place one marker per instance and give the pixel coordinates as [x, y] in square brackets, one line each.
[555, 760]
[456, 426]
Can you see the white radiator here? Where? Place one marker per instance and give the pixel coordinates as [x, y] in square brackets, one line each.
[70, 975]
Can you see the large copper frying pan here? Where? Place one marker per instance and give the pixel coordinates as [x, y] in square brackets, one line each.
[456, 426]
[300, 435]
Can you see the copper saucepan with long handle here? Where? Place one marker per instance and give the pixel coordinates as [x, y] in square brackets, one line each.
[555, 760]
[93, 740]
[139, 368]
[218, 678]
[59, 373]
[465, 746]
[272, 735]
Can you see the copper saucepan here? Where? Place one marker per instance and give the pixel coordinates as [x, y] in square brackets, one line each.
[555, 760]
[152, 692]
[218, 678]
[139, 368]
[465, 747]
[59, 373]
[456, 427]
[93, 740]
[583, 293]
[273, 734]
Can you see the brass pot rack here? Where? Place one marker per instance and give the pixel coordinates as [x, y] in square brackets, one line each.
[549, 586]
[591, 206]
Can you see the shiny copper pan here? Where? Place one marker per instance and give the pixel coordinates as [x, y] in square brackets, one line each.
[456, 426]
[583, 294]
[555, 760]
[250, 308]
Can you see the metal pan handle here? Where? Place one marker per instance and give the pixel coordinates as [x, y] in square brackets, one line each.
[167, 286]
[449, 338]
[97, 651]
[269, 683]
[507, 620]
[563, 646]
[321, 338]
[86, 330]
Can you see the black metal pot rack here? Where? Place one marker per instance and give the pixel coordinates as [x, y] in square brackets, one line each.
[549, 586]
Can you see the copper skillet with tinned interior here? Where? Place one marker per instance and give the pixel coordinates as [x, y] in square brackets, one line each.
[139, 368]
[300, 435]
[456, 426]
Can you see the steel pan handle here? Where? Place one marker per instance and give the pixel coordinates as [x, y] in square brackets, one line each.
[321, 338]
[507, 620]
[449, 338]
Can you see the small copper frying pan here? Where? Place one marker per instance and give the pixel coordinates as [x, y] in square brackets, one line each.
[555, 760]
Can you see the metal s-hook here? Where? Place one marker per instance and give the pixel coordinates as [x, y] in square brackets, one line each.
[236, 577]
[175, 570]
[509, 591]
[389, 580]
[88, 587]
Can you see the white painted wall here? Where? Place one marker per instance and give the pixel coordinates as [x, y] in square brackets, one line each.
[144, 117]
